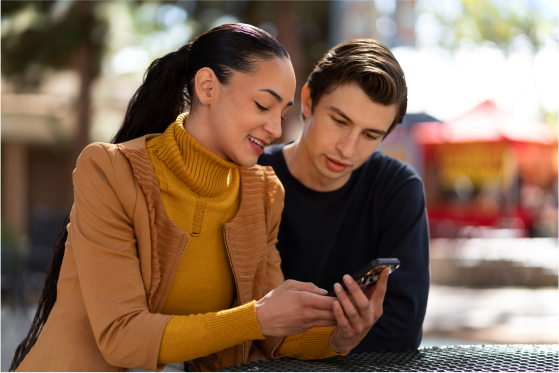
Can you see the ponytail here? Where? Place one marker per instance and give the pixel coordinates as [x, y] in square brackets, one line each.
[160, 99]
[47, 299]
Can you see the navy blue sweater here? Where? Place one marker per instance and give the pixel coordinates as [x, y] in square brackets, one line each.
[378, 213]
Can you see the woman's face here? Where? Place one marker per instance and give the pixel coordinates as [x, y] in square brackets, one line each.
[245, 115]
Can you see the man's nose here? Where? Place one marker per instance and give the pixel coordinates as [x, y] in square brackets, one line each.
[347, 145]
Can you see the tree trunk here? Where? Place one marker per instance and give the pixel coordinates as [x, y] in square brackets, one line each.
[85, 58]
[287, 36]
[83, 62]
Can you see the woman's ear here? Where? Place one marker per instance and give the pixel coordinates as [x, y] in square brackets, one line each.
[306, 101]
[205, 83]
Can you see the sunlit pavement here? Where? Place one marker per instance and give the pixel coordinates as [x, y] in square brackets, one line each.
[455, 315]
[501, 315]
[15, 325]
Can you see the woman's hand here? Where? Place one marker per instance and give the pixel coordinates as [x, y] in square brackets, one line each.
[294, 307]
[356, 318]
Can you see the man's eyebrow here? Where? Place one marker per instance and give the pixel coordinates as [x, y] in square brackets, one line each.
[276, 96]
[340, 113]
[343, 115]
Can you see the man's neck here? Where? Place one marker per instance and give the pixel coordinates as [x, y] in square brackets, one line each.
[300, 165]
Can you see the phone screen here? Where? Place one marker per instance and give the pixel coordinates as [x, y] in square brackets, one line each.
[368, 276]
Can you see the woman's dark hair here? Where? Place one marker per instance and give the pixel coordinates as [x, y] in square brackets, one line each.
[47, 299]
[168, 87]
[166, 92]
[367, 63]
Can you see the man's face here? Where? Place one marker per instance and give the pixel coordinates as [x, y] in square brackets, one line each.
[345, 128]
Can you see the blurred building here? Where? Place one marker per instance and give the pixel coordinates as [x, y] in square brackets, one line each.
[38, 131]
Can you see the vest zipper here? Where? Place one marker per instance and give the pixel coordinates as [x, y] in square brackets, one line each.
[235, 277]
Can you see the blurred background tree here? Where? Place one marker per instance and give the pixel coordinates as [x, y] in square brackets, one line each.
[42, 35]
[508, 25]
[498, 22]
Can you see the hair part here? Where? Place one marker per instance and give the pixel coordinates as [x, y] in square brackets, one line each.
[367, 63]
[168, 87]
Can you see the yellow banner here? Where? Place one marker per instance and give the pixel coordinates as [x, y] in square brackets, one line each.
[482, 163]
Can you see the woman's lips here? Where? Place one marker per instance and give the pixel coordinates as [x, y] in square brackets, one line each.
[335, 166]
[256, 148]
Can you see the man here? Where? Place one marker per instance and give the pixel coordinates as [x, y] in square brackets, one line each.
[345, 204]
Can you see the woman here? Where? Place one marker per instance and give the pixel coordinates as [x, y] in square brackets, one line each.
[170, 252]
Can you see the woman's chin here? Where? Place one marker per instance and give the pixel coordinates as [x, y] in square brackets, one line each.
[247, 160]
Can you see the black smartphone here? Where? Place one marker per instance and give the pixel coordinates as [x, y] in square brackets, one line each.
[367, 276]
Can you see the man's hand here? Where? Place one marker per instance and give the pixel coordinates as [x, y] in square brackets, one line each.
[294, 307]
[356, 318]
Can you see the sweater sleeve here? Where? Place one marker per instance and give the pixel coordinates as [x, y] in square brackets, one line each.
[311, 345]
[189, 337]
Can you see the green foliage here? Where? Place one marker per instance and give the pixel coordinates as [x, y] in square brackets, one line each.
[497, 22]
[9, 239]
[551, 118]
[47, 34]
[11, 8]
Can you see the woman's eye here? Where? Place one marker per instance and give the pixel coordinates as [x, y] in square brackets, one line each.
[262, 108]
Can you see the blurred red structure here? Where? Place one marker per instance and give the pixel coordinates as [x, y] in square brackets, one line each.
[490, 169]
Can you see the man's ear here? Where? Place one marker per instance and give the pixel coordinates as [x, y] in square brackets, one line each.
[205, 84]
[306, 101]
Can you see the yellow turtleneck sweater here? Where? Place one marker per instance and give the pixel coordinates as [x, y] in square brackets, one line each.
[200, 192]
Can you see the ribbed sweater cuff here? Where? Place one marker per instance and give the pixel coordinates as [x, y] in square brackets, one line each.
[311, 345]
[234, 326]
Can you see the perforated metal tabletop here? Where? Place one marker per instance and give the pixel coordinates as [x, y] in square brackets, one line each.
[479, 358]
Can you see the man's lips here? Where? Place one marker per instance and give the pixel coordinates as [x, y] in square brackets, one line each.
[336, 165]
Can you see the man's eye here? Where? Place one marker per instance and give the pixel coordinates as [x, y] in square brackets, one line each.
[371, 137]
[262, 108]
[341, 122]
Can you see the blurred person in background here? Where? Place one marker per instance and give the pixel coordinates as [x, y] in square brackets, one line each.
[345, 204]
[170, 252]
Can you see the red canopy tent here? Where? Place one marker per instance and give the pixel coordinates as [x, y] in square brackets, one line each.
[489, 149]
[486, 123]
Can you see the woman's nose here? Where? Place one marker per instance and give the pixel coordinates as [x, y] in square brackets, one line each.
[273, 128]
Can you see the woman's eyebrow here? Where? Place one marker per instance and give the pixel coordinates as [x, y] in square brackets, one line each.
[276, 96]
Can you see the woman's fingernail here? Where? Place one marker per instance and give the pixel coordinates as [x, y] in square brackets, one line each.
[323, 291]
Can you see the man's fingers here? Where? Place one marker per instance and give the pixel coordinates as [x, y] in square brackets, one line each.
[380, 287]
[340, 317]
[347, 305]
[360, 301]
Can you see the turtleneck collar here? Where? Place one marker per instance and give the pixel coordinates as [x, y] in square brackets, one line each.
[201, 170]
